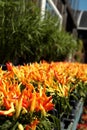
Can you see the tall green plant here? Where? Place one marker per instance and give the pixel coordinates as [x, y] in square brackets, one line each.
[16, 18]
[24, 37]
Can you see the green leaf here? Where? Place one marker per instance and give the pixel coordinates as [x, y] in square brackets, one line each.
[6, 125]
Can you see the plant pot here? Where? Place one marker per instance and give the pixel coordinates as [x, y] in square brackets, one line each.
[70, 121]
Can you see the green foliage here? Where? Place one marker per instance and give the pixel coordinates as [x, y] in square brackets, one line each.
[61, 105]
[49, 123]
[79, 54]
[15, 29]
[24, 37]
[8, 124]
[81, 89]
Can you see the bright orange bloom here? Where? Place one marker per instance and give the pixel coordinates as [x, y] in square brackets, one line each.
[24, 88]
[32, 126]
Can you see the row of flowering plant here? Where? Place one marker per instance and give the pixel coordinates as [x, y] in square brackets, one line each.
[29, 92]
[23, 105]
[61, 80]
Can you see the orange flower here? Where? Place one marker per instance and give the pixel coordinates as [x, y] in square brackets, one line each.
[33, 102]
[33, 125]
[9, 66]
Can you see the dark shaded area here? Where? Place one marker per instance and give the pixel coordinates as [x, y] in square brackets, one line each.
[82, 34]
[83, 21]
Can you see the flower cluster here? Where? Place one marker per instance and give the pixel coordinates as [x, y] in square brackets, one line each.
[28, 90]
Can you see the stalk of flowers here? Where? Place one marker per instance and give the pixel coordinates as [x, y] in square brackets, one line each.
[53, 75]
[17, 100]
[66, 73]
[79, 72]
[61, 78]
[43, 73]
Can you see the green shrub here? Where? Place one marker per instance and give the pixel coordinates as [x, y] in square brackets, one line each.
[24, 37]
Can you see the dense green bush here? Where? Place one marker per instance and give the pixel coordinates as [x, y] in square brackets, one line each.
[24, 37]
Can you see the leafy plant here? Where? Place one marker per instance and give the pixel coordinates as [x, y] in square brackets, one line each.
[24, 37]
[15, 25]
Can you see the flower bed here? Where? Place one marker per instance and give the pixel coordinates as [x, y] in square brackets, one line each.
[36, 96]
